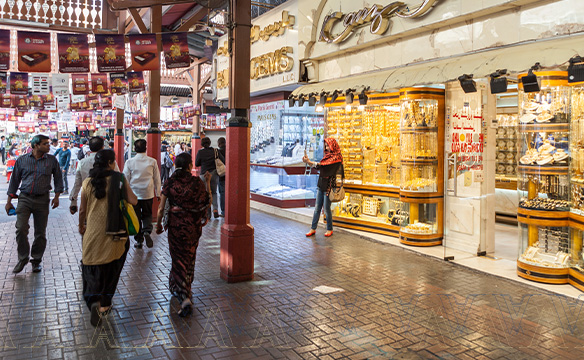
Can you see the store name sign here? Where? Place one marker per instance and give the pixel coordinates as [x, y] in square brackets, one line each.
[276, 29]
[271, 63]
[377, 17]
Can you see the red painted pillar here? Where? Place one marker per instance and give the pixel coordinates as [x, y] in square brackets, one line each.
[119, 148]
[237, 234]
[153, 144]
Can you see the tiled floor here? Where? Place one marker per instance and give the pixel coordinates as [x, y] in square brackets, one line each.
[394, 304]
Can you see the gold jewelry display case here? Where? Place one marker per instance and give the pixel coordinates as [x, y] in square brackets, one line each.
[576, 271]
[544, 180]
[422, 165]
[370, 143]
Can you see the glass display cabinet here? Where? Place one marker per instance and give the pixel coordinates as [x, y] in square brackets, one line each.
[422, 165]
[283, 187]
[368, 136]
[506, 157]
[544, 179]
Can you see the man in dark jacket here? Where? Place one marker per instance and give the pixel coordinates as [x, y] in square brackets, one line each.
[222, 147]
[206, 160]
[63, 155]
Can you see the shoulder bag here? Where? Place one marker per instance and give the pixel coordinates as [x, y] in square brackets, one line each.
[337, 192]
[128, 213]
[219, 166]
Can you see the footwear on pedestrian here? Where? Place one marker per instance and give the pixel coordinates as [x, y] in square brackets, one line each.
[36, 267]
[20, 266]
[94, 317]
[138, 245]
[328, 233]
[310, 233]
[215, 214]
[148, 239]
[186, 308]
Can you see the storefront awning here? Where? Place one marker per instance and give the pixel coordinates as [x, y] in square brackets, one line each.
[516, 59]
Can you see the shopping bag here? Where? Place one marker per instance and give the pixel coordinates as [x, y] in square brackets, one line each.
[219, 166]
[130, 217]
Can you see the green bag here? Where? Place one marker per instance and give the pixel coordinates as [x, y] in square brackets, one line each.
[128, 213]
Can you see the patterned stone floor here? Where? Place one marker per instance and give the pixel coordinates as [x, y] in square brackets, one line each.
[394, 304]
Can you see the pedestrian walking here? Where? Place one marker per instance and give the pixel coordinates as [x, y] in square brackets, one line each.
[166, 164]
[188, 200]
[12, 156]
[105, 240]
[85, 165]
[63, 155]
[330, 166]
[221, 143]
[142, 174]
[3, 143]
[206, 160]
[32, 176]
[54, 146]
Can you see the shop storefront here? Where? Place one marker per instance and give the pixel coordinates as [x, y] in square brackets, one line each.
[282, 130]
[432, 156]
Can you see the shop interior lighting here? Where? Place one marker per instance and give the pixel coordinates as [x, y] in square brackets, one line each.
[319, 108]
[499, 81]
[529, 81]
[349, 96]
[312, 99]
[348, 107]
[335, 96]
[467, 83]
[363, 97]
[576, 69]
[291, 100]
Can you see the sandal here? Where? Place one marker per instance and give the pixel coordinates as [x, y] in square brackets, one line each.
[310, 233]
[105, 312]
[94, 318]
[186, 308]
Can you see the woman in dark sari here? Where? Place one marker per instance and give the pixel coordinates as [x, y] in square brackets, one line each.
[188, 200]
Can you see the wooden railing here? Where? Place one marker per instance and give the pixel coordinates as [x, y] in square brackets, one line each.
[85, 14]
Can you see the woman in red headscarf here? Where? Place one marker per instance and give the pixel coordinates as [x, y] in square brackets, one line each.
[330, 166]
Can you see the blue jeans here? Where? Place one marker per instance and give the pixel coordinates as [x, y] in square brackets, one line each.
[320, 199]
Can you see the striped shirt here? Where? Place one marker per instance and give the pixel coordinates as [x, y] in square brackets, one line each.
[34, 175]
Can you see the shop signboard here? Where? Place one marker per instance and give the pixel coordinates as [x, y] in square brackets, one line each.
[18, 83]
[176, 50]
[80, 84]
[34, 51]
[3, 82]
[135, 81]
[144, 49]
[73, 53]
[111, 53]
[118, 83]
[99, 84]
[274, 59]
[4, 49]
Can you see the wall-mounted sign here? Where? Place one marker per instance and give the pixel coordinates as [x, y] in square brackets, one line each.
[377, 17]
[276, 29]
[272, 63]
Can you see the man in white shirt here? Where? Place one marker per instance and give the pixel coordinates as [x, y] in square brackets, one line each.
[82, 172]
[3, 143]
[143, 175]
[54, 146]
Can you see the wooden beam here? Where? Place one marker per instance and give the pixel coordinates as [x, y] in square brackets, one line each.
[118, 5]
[195, 18]
[130, 24]
[205, 80]
[193, 65]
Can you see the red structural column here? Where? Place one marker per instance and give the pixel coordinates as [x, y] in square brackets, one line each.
[237, 234]
[195, 146]
[119, 141]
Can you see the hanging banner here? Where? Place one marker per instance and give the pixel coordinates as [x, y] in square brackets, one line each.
[80, 84]
[43, 115]
[118, 83]
[53, 125]
[73, 53]
[105, 102]
[144, 50]
[63, 102]
[39, 84]
[120, 102]
[6, 101]
[136, 81]
[21, 102]
[36, 102]
[18, 83]
[176, 50]
[4, 49]
[99, 84]
[111, 53]
[49, 102]
[34, 51]
[3, 82]
[60, 84]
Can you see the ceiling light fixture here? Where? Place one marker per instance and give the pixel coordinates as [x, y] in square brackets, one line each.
[467, 83]
[529, 81]
[499, 81]
[576, 69]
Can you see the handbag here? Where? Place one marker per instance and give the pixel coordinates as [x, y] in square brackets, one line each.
[219, 166]
[337, 194]
[129, 214]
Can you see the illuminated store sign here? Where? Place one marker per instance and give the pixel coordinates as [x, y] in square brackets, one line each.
[376, 16]
[276, 29]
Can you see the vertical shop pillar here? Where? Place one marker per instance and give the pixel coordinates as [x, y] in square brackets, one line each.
[237, 234]
[119, 143]
[154, 139]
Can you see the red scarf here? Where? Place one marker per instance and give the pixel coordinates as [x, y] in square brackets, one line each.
[334, 154]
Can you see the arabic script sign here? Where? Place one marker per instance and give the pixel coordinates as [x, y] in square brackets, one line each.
[376, 16]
